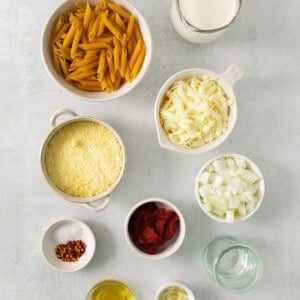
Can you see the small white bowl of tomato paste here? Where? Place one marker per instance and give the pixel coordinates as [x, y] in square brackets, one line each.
[154, 228]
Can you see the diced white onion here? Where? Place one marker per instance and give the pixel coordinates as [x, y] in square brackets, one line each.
[229, 216]
[229, 188]
[204, 177]
[205, 190]
[242, 209]
[234, 203]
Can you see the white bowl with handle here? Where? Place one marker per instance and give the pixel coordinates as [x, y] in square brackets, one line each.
[95, 203]
[71, 89]
[226, 80]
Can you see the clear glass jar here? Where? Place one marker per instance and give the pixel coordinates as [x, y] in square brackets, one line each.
[193, 33]
[235, 266]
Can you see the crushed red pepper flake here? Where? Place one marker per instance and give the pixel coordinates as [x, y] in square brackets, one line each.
[71, 251]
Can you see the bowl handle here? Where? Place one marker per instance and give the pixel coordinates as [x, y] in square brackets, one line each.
[98, 204]
[233, 74]
[59, 113]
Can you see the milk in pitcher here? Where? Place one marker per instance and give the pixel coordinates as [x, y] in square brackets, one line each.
[202, 21]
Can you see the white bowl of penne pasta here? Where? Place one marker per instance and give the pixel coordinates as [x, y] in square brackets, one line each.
[196, 109]
[98, 50]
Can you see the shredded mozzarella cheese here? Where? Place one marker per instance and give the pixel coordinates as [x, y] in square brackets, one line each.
[195, 111]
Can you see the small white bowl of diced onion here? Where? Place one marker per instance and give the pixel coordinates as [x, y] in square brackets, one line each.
[229, 188]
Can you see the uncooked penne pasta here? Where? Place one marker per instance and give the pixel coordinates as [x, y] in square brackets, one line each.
[74, 20]
[75, 42]
[112, 17]
[87, 83]
[89, 88]
[73, 73]
[110, 26]
[116, 43]
[137, 32]
[91, 54]
[94, 28]
[80, 15]
[123, 40]
[130, 27]
[101, 24]
[120, 10]
[56, 60]
[103, 4]
[109, 84]
[105, 39]
[69, 37]
[64, 66]
[92, 78]
[91, 23]
[111, 68]
[135, 54]
[80, 5]
[63, 52]
[103, 83]
[128, 73]
[117, 82]
[87, 16]
[97, 47]
[88, 67]
[117, 56]
[129, 49]
[137, 66]
[58, 25]
[93, 46]
[61, 32]
[80, 76]
[73, 67]
[102, 65]
[123, 61]
[120, 23]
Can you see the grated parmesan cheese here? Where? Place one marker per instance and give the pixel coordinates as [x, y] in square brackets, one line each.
[84, 159]
[195, 111]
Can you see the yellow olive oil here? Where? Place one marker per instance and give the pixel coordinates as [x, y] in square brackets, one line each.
[111, 290]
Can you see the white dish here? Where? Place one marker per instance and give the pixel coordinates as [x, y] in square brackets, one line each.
[261, 190]
[60, 80]
[61, 232]
[175, 284]
[226, 80]
[171, 246]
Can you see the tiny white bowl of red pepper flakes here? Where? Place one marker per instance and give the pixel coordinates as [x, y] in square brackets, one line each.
[68, 245]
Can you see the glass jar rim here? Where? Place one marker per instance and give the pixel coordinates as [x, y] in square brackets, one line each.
[196, 29]
[253, 253]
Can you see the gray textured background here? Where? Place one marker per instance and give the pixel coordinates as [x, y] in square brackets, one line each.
[265, 41]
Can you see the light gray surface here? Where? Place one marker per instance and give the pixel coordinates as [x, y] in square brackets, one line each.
[265, 41]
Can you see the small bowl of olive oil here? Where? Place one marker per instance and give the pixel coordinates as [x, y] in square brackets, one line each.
[110, 290]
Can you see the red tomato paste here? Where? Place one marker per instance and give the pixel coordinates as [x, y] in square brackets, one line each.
[151, 227]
